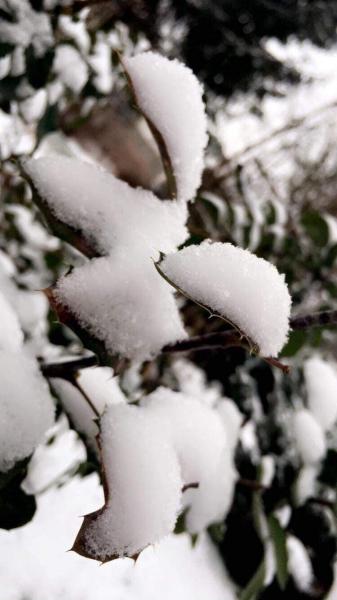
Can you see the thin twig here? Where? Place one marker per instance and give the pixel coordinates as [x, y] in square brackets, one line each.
[68, 367]
[230, 163]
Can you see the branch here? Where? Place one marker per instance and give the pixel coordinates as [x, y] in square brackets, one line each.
[219, 339]
[319, 319]
[68, 368]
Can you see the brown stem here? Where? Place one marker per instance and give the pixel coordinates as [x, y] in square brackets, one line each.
[188, 486]
[319, 319]
[252, 484]
[219, 339]
[66, 369]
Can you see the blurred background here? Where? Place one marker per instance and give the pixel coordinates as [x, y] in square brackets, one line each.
[269, 69]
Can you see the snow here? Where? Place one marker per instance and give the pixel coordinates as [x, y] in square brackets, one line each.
[110, 213]
[101, 387]
[32, 108]
[306, 483]
[28, 26]
[321, 385]
[199, 440]
[70, 67]
[30, 308]
[11, 337]
[27, 409]
[232, 420]
[119, 298]
[309, 437]
[299, 564]
[193, 382]
[123, 302]
[150, 452]
[242, 288]
[170, 96]
[144, 485]
[172, 569]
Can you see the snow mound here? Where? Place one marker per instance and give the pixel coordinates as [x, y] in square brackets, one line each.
[239, 286]
[144, 482]
[321, 384]
[27, 409]
[199, 440]
[309, 437]
[170, 97]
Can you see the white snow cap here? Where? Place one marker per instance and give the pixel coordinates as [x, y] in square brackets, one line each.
[110, 213]
[199, 440]
[239, 286]
[321, 384]
[119, 298]
[11, 336]
[144, 483]
[309, 437]
[170, 96]
[299, 563]
[26, 407]
[123, 302]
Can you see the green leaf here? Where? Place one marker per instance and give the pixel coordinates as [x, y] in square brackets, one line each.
[255, 584]
[295, 342]
[279, 540]
[316, 227]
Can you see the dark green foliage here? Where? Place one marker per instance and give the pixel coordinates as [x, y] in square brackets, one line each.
[224, 40]
[16, 507]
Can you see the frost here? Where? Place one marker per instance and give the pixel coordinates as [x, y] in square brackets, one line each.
[239, 286]
[309, 437]
[144, 482]
[170, 96]
[321, 384]
[11, 337]
[119, 298]
[27, 409]
[299, 563]
[199, 440]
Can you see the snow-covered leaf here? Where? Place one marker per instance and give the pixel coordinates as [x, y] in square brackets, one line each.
[245, 290]
[170, 98]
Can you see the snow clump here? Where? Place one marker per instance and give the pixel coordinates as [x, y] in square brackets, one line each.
[321, 385]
